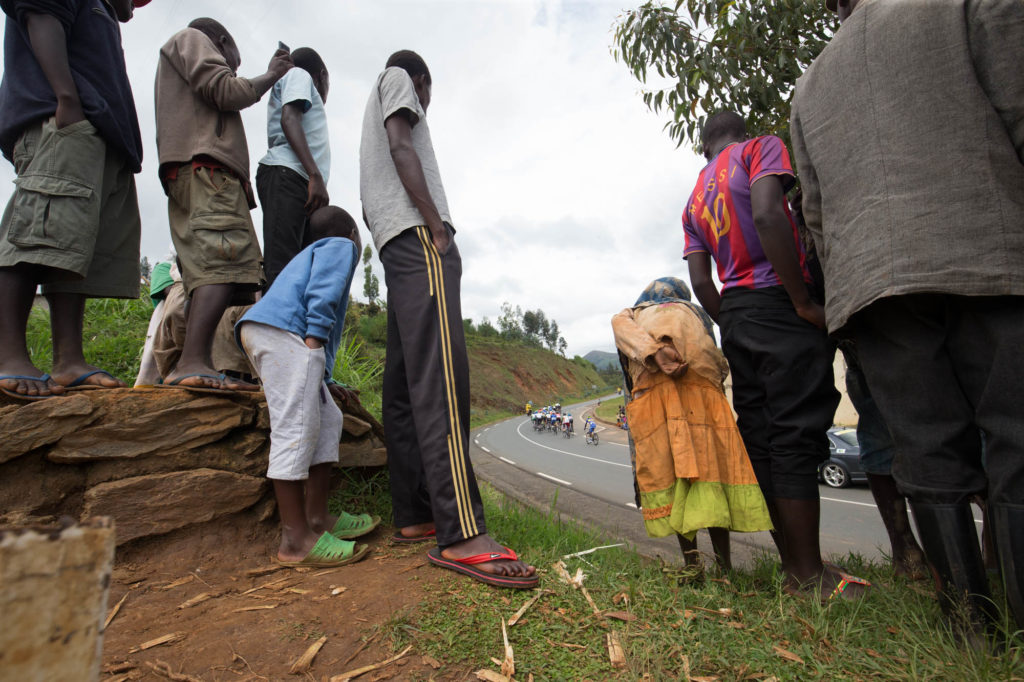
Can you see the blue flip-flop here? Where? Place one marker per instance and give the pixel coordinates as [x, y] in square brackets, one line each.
[25, 396]
[80, 385]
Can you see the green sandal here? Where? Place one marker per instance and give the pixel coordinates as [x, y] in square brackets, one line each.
[328, 552]
[354, 525]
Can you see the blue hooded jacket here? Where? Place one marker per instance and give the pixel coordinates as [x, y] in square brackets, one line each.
[310, 296]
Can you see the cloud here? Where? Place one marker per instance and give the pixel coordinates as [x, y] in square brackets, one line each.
[565, 191]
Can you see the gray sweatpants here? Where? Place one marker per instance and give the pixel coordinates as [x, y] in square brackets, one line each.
[305, 422]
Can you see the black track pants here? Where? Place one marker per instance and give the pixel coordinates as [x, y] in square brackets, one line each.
[426, 390]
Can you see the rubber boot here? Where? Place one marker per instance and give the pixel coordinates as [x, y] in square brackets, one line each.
[1007, 522]
[950, 541]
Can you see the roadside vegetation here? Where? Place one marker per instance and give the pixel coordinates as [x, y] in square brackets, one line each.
[508, 366]
[608, 410]
[673, 625]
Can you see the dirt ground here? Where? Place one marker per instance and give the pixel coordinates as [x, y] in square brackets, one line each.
[232, 614]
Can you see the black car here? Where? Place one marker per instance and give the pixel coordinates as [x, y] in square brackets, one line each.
[843, 465]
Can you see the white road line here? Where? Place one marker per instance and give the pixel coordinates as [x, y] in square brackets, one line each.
[506, 459]
[477, 441]
[630, 504]
[571, 454]
[873, 506]
[859, 504]
[552, 478]
[487, 429]
[485, 449]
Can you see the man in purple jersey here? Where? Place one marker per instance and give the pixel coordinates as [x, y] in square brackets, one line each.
[781, 361]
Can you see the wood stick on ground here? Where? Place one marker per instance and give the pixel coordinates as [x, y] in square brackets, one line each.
[163, 669]
[361, 647]
[508, 666]
[263, 607]
[113, 612]
[352, 674]
[525, 607]
[597, 611]
[169, 638]
[198, 599]
[491, 676]
[615, 653]
[264, 570]
[178, 583]
[122, 667]
[265, 585]
[592, 550]
[305, 661]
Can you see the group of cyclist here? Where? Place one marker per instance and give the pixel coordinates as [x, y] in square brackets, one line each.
[551, 418]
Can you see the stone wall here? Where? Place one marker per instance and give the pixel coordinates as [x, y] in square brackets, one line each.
[154, 460]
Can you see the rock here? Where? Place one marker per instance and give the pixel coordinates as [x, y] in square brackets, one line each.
[364, 453]
[243, 451]
[54, 598]
[159, 503]
[39, 423]
[354, 426]
[141, 424]
[32, 486]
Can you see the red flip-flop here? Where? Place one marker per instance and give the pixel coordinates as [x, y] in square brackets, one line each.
[468, 567]
[398, 538]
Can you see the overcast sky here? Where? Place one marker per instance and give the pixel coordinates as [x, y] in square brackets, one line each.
[565, 191]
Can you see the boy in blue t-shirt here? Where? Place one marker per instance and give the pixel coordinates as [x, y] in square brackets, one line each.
[291, 337]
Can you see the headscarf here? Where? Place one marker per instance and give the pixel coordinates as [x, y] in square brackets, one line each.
[672, 290]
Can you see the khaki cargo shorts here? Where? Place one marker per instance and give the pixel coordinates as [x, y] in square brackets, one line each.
[212, 230]
[74, 210]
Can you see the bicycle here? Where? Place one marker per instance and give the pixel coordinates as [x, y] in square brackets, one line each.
[566, 433]
[592, 438]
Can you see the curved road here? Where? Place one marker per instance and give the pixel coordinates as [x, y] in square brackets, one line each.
[595, 484]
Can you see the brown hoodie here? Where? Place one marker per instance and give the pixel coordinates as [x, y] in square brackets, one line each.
[198, 99]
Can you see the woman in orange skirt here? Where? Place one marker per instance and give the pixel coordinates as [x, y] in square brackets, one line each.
[690, 465]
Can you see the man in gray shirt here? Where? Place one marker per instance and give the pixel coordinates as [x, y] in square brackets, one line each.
[426, 375]
[908, 132]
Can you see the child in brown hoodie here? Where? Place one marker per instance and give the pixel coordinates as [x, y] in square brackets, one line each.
[204, 168]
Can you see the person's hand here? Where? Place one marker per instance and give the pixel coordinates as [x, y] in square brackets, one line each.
[813, 313]
[69, 110]
[280, 63]
[314, 343]
[317, 195]
[442, 240]
[669, 362]
[345, 394]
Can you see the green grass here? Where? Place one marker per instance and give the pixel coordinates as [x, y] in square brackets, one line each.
[892, 634]
[113, 335]
[608, 410]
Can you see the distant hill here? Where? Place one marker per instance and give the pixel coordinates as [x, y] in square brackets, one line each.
[504, 376]
[602, 359]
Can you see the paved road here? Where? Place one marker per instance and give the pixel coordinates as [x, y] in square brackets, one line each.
[599, 485]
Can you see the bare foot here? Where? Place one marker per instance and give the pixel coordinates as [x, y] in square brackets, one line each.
[30, 387]
[321, 525]
[85, 375]
[911, 565]
[485, 544]
[825, 585]
[417, 531]
[198, 376]
[296, 548]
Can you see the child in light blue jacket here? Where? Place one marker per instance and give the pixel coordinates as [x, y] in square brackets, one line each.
[291, 337]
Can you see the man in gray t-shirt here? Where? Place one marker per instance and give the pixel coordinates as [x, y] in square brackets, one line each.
[426, 375]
